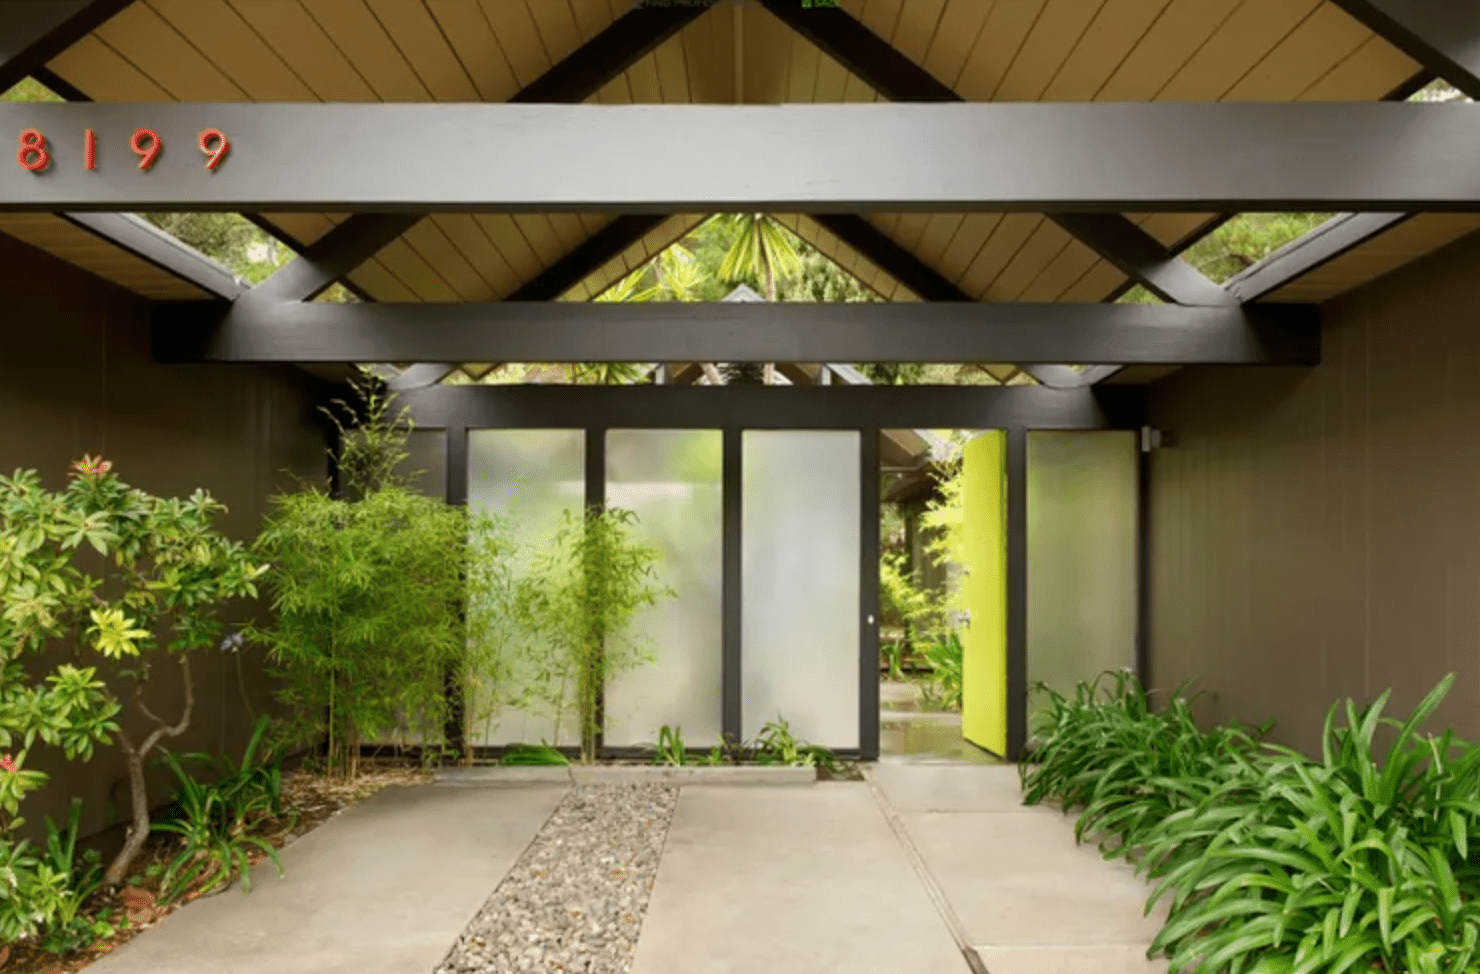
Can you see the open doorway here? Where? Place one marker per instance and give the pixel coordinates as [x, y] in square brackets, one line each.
[942, 637]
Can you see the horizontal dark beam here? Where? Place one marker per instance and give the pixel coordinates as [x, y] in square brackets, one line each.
[146, 241]
[736, 332]
[756, 407]
[1121, 157]
[1301, 256]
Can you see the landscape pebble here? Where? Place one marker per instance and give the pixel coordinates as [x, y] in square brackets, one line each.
[574, 902]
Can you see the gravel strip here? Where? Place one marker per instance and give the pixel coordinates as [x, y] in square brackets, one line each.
[575, 900]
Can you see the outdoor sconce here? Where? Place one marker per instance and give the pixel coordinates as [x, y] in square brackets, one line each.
[1151, 439]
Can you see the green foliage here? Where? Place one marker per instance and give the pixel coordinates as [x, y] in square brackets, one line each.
[761, 248]
[671, 750]
[942, 689]
[30, 90]
[1274, 862]
[577, 603]
[105, 568]
[774, 745]
[1247, 239]
[533, 754]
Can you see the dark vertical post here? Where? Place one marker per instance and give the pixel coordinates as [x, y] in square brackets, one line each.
[596, 500]
[731, 633]
[868, 643]
[1143, 563]
[454, 730]
[1017, 592]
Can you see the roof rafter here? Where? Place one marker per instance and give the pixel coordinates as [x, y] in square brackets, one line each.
[149, 243]
[1299, 257]
[32, 32]
[1442, 35]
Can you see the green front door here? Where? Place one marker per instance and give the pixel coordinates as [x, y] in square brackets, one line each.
[984, 591]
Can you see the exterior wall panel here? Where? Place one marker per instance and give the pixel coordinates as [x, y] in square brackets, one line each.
[1315, 534]
[76, 376]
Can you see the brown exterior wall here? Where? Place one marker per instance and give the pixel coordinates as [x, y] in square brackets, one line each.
[76, 376]
[1315, 534]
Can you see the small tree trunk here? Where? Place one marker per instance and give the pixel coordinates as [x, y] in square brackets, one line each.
[138, 830]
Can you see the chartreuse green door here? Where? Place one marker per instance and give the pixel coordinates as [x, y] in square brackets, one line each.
[984, 592]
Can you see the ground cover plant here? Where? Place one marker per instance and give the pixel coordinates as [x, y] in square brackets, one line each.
[1276, 863]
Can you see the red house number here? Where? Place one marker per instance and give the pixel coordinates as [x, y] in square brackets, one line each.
[35, 155]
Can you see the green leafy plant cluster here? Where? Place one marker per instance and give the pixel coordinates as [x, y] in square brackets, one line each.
[215, 821]
[576, 605]
[774, 745]
[945, 656]
[1276, 863]
[538, 755]
[120, 579]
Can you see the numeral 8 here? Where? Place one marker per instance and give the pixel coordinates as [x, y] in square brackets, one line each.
[33, 153]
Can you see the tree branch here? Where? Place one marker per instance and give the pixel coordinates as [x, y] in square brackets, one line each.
[164, 728]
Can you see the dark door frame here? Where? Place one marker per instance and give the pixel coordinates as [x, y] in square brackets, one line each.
[733, 409]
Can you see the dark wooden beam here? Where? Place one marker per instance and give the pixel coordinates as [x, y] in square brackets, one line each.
[334, 255]
[735, 332]
[878, 64]
[147, 242]
[1441, 35]
[1142, 258]
[587, 257]
[696, 158]
[1301, 256]
[418, 376]
[32, 32]
[622, 44]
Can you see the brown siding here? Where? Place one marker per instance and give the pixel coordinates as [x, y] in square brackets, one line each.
[76, 376]
[1315, 534]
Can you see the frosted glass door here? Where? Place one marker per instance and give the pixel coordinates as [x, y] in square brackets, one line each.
[1081, 557]
[800, 592]
[673, 480]
[534, 477]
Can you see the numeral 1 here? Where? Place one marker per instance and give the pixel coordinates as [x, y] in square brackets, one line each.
[90, 150]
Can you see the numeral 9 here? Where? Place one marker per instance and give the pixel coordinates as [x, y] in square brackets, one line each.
[146, 155]
[223, 145]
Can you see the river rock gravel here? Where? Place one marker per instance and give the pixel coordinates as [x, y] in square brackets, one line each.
[574, 901]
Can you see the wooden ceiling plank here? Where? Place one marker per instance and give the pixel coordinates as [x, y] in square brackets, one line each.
[104, 74]
[514, 27]
[642, 77]
[882, 17]
[1006, 240]
[476, 47]
[463, 230]
[1098, 283]
[832, 81]
[1173, 40]
[919, 21]
[568, 230]
[1323, 40]
[767, 51]
[298, 39]
[235, 49]
[1371, 71]
[592, 17]
[1046, 242]
[1048, 45]
[429, 240]
[1001, 38]
[357, 32]
[673, 72]
[1169, 228]
[939, 230]
[148, 41]
[616, 91]
[506, 236]
[304, 227]
[541, 236]
[555, 23]
[709, 52]
[973, 233]
[1243, 40]
[909, 230]
[376, 280]
[1061, 273]
[401, 259]
[1116, 30]
[960, 25]
[801, 71]
[415, 32]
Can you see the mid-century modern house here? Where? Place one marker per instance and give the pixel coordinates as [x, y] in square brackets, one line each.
[1270, 484]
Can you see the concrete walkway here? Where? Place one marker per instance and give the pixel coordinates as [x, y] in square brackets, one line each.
[384, 888]
[926, 869]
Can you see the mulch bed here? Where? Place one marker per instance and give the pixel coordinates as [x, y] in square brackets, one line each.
[309, 799]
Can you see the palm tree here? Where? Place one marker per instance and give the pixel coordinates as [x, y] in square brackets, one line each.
[762, 248]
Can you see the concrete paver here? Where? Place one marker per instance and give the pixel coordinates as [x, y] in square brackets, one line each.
[384, 888]
[783, 880]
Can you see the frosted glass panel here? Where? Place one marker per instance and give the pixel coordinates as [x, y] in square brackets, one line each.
[673, 480]
[533, 476]
[800, 594]
[1081, 556]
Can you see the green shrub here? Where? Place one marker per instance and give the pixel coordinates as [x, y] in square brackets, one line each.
[1276, 863]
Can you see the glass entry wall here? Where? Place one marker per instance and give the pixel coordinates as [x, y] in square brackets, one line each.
[673, 481]
[1081, 569]
[534, 476]
[800, 591]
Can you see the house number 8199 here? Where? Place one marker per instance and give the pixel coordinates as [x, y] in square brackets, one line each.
[34, 153]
